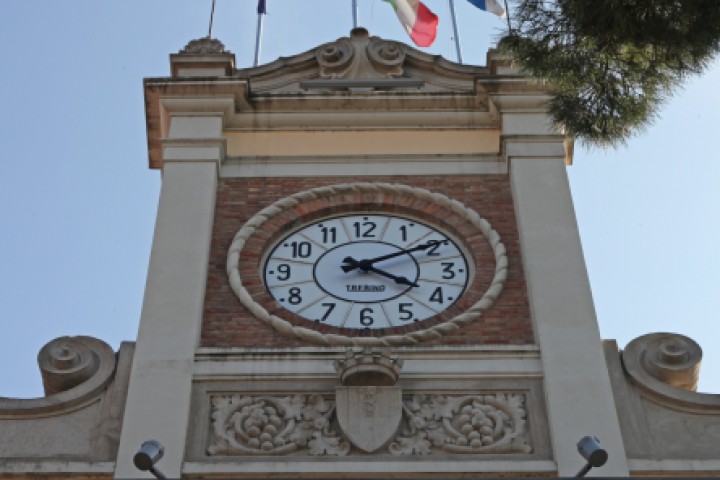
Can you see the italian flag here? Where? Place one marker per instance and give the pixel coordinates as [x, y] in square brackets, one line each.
[418, 20]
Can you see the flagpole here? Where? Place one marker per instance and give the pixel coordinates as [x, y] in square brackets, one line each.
[355, 13]
[212, 14]
[507, 14]
[258, 39]
[455, 29]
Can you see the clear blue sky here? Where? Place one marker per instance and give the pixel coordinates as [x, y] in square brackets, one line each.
[77, 201]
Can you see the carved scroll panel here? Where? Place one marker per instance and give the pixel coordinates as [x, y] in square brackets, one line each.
[429, 424]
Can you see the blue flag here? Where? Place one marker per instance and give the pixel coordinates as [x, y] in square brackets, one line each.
[492, 6]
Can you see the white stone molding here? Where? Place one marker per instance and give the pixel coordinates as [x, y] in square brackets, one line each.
[75, 370]
[56, 469]
[194, 150]
[363, 165]
[361, 468]
[470, 424]
[675, 467]
[419, 362]
[312, 336]
[563, 315]
[158, 400]
[668, 366]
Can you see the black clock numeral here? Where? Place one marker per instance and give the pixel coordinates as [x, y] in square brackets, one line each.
[301, 249]
[294, 297]
[365, 229]
[329, 234]
[437, 296]
[330, 307]
[365, 318]
[432, 251]
[283, 272]
[404, 310]
[448, 272]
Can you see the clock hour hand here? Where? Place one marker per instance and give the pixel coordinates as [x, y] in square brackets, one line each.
[367, 267]
[362, 264]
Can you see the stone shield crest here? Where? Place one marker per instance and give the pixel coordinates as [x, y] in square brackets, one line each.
[369, 416]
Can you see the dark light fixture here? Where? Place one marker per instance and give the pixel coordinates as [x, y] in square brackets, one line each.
[593, 452]
[151, 451]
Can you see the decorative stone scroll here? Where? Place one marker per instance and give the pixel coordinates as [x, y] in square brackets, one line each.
[361, 57]
[671, 358]
[470, 424]
[308, 424]
[666, 366]
[74, 370]
[66, 362]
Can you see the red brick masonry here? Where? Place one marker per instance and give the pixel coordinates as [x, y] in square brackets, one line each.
[226, 323]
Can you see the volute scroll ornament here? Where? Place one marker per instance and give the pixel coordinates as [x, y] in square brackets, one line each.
[66, 362]
[361, 57]
[335, 58]
[386, 56]
[74, 370]
[670, 358]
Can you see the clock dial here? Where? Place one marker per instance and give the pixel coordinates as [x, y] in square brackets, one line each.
[366, 271]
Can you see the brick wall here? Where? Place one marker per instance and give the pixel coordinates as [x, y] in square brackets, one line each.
[226, 322]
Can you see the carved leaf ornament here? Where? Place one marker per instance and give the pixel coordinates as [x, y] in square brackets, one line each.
[306, 424]
[465, 424]
[244, 425]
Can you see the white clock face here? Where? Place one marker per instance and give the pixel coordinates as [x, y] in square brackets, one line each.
[366, 271]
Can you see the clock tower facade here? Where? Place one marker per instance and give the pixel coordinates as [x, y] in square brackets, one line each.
[365, 264]
[365, 261]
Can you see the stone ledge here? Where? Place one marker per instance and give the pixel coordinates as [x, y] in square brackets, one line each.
[393, 468]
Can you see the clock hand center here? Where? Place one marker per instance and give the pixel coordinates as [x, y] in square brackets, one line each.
[367, 267]
[368, 262]
[363, 265]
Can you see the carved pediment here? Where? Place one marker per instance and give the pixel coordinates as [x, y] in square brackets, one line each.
[364, 62]
[361, 57]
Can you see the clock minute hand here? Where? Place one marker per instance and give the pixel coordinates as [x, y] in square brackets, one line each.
[369, 268]
[368, 262]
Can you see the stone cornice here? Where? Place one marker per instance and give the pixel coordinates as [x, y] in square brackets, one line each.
[270, 96]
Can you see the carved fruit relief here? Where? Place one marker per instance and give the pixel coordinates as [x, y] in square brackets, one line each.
[308, 425]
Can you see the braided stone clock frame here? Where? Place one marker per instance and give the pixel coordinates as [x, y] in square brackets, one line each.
[295, 203]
